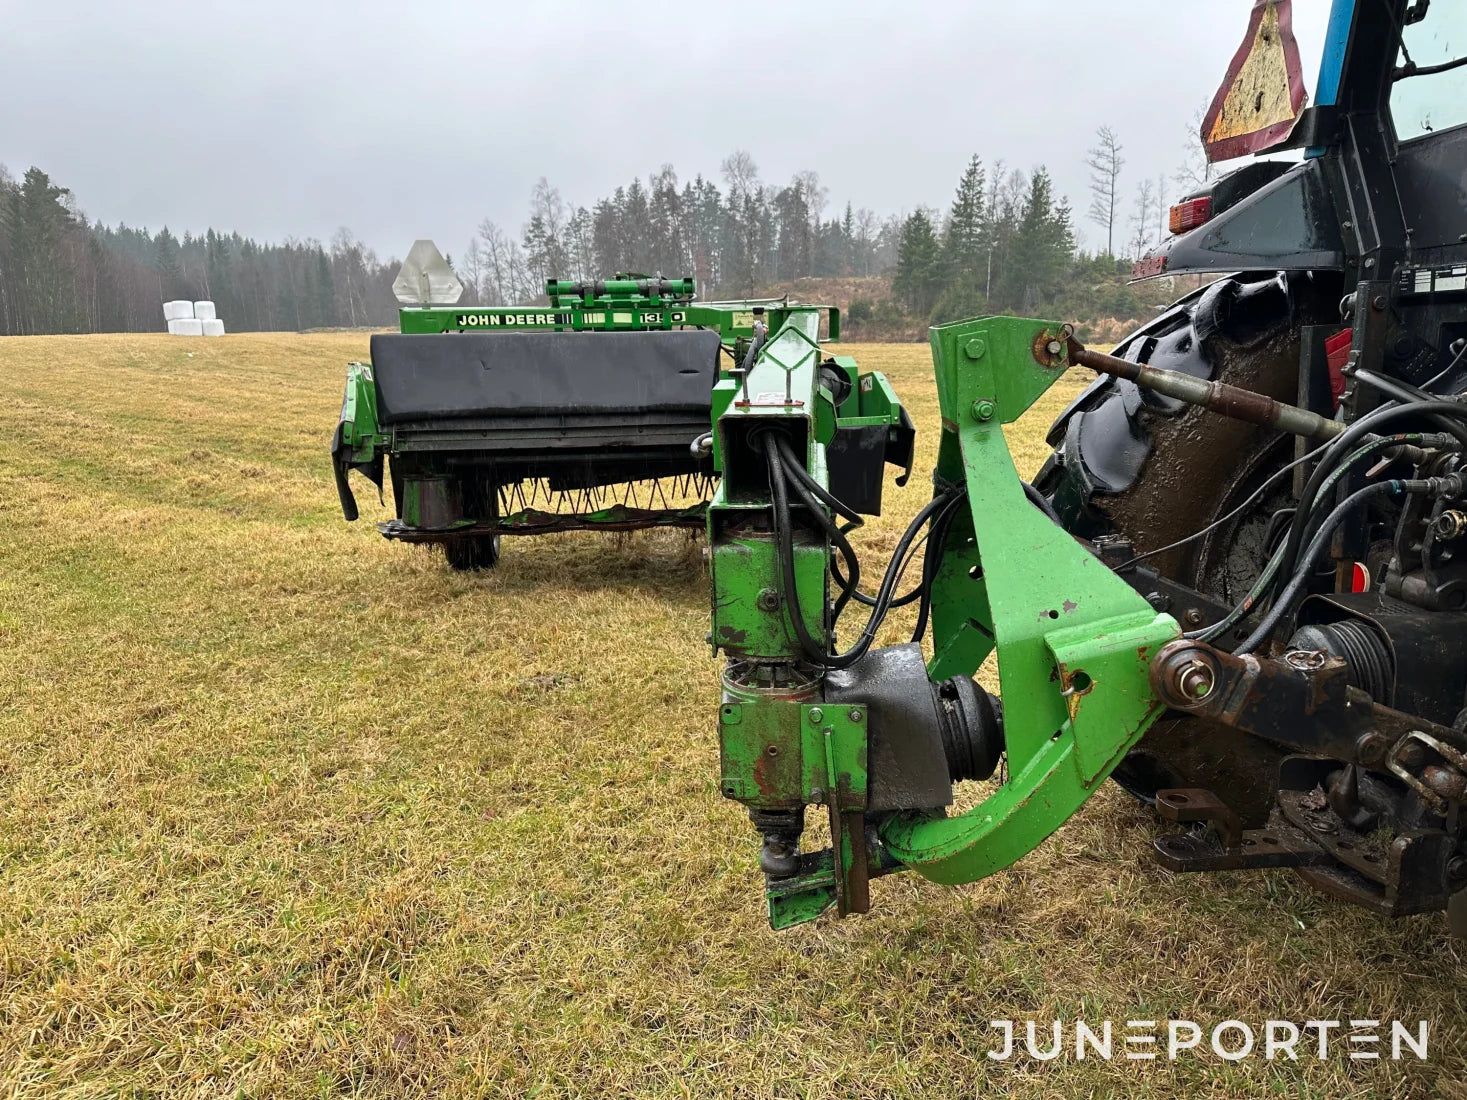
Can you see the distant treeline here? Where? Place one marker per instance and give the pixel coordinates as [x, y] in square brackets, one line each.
[61, 273]
[735, 240]
[1006, 244]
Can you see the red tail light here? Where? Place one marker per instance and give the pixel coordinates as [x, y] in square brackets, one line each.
[1190, 214]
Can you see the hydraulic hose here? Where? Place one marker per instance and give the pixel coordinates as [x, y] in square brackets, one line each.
[1299, 581]
[1342, 446]
[1271, 570]
[815, 651]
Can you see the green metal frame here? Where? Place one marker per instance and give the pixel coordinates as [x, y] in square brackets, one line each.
[358, 425]
[1072, 640]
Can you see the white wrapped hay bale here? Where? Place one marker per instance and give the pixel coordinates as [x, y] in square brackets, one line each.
[186, 326]
[204, 311]
[213, 327]
[178, 311]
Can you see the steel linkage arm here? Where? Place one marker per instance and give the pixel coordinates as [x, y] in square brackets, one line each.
[1073, 640]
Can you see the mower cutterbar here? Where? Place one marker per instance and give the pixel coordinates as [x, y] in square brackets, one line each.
[873, 735]
[592, 413]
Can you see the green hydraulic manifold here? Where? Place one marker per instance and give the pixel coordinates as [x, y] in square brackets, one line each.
[1072, 640]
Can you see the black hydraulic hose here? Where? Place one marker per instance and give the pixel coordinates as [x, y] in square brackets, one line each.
[936, 547]
[1270, 572]
[784, 537]
[1405, 392]
[785, 555]
[1040, 501]
[1251, 499]
[1343, 445]
[836, 534]
[870, 601]
[753, 352]
[809, 489]
[793, 466]
[1299, 581]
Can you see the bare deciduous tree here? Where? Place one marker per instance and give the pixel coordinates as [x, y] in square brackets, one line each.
[816, 196]
[1143, 219]
[1195, 169]
[1105, 163]
[501, 282]
[740, 173]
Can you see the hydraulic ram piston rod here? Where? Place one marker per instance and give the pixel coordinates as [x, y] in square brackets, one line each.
[1233, 401]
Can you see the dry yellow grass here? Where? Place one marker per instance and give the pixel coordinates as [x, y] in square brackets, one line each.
[286, 810]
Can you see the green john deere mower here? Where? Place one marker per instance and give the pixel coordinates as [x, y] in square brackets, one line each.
[591, 412]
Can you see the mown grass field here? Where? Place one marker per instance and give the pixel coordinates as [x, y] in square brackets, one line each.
[286, 810]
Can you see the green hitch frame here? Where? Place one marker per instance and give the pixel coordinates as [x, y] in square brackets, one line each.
[1073, 640]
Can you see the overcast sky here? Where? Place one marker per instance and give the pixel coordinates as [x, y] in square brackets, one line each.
[406, 120]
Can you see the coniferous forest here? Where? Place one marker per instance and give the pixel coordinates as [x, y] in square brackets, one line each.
[1006, 243]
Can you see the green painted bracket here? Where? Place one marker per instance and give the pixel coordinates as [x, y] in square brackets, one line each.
[359, 427]
[1073, 640]
[834, 771]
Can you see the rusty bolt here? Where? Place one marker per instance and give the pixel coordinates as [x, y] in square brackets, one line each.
[1305, 660]
[1054, 347]
[1371, 748]
[975, 348]
[767, 600]
[817, 796]
[1193, 617]
[816, 716]
[1194, 680]
[855, 714]
[983, 410]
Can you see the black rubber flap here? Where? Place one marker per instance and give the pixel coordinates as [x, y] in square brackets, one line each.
[534, 373]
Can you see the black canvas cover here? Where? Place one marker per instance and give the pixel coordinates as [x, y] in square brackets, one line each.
[497, 374]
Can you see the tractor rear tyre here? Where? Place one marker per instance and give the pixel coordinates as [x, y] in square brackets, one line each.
[1130, 462]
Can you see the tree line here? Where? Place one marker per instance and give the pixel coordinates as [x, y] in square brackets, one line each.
[61, 273]
[1007, 243]
[734, 240]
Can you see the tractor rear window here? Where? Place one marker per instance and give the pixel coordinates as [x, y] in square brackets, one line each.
[1424, 101]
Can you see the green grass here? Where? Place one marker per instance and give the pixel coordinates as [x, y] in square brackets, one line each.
[286, 810]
